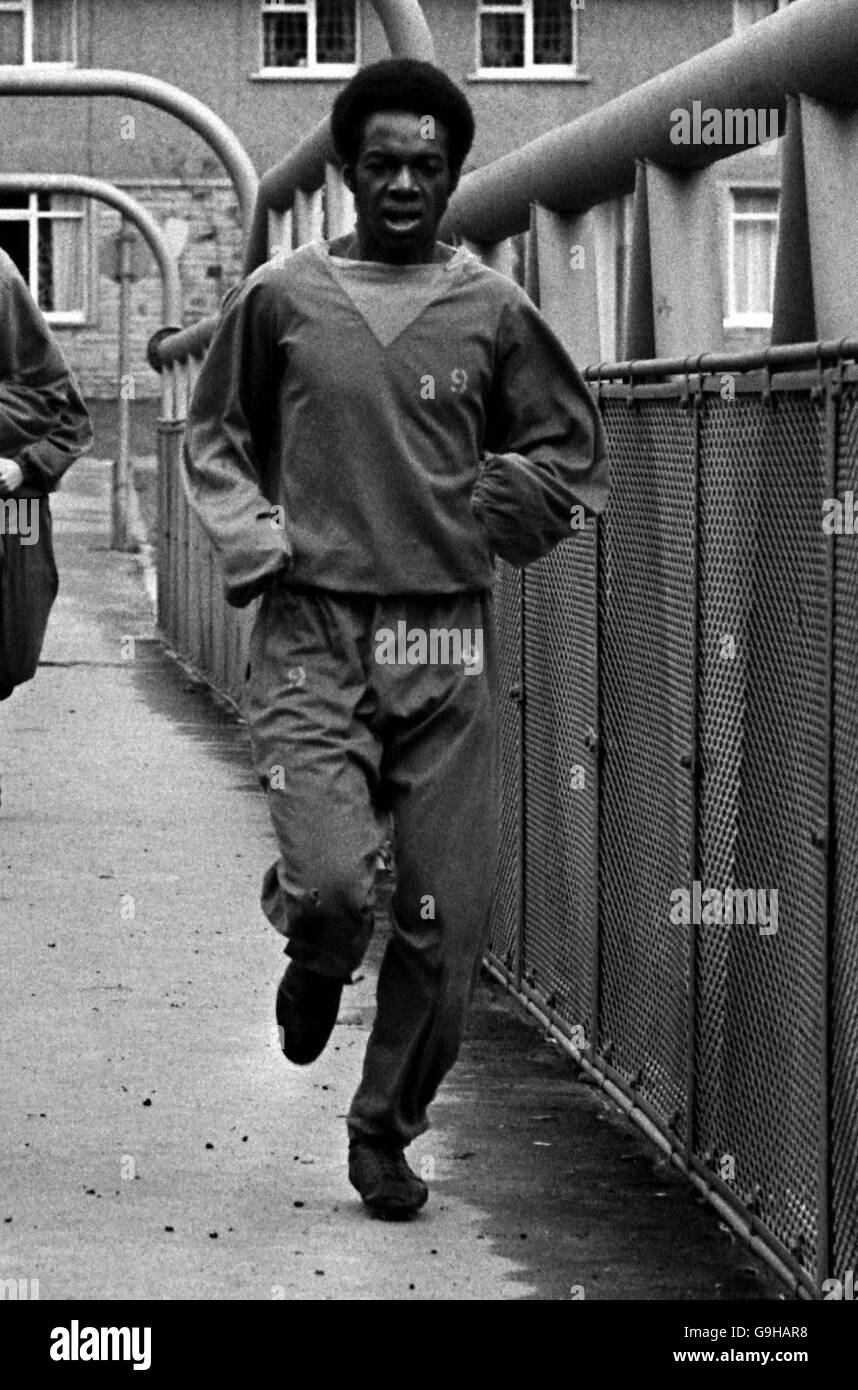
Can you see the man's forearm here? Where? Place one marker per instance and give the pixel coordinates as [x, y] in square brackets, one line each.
[44, 431]
[528, 506]
[546, 466]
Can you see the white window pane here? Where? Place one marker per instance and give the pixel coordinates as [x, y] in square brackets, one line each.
[53, 40]
[11, 37]
[62, 270]
[68, 203]
[747, 12]
[552, 31]
[335, 31]
[502, 40]
[284, 40]
[753, 266]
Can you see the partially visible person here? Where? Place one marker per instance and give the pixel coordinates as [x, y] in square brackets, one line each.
[44, 427]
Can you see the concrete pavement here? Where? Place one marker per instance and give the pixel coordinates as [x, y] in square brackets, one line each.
[153, 1142]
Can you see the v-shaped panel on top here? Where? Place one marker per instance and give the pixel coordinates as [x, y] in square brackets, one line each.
[386, 304]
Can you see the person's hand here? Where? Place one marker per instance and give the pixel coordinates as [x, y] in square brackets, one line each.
[11, 476]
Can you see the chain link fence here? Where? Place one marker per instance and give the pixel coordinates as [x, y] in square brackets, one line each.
[680, 814]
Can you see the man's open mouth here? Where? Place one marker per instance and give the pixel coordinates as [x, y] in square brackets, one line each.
[400, 220]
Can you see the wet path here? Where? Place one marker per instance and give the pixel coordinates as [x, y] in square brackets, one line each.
[153, 1142]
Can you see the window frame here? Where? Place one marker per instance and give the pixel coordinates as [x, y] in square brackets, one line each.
[32, 215]
[739, 26]
[734, 318]
[529, 70]
[25, 8]
[313, 69]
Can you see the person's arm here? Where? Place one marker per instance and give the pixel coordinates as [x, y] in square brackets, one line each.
[44, 424]
[230, 423]
[545, 442]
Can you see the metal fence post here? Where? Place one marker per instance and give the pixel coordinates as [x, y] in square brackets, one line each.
[522, 786]
[122, 464]
[697, 404]
[833, 399]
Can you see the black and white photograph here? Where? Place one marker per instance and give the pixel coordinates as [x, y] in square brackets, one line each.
[428, 673]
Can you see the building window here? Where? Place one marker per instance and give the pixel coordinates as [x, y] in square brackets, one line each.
[37, 31]
[532, 35]
[753, 239]
[45, 235]
[748, 12]
[310, 36]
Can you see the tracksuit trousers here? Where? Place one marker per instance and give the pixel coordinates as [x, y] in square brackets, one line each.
[343, 741]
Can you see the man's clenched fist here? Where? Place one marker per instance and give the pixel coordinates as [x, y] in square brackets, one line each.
[11, 476]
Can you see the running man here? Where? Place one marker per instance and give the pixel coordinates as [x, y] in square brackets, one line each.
[378, 417]
[44, 427]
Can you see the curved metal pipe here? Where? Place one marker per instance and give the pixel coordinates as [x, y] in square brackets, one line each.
[138, 86]
[779, 357]
[171, 289]
[811, 46]
[408, 36]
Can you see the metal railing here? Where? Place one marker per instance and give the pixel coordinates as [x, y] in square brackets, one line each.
[139, 86]
[810, 47]
[683, 712]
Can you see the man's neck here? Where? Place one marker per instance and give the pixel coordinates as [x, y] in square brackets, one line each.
[351, 248]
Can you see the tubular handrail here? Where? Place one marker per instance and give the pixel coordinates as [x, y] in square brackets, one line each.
[811, 46]
[190, 342]
[783, 356]
[139, 86]
[105, 192]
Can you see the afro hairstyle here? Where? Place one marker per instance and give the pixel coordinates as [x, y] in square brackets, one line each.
[402, 84]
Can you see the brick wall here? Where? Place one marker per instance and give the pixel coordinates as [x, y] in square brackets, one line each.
[209, 265]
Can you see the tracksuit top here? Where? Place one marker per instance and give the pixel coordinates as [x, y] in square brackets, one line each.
[44, 424]
[370, 428]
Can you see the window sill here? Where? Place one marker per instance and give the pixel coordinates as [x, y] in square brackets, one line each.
[748, 321]
[548, 74]
[57, 319]
[334, 72]
[38, 67]
[61, 66]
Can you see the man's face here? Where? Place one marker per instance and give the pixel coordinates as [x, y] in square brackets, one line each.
[401, 184]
